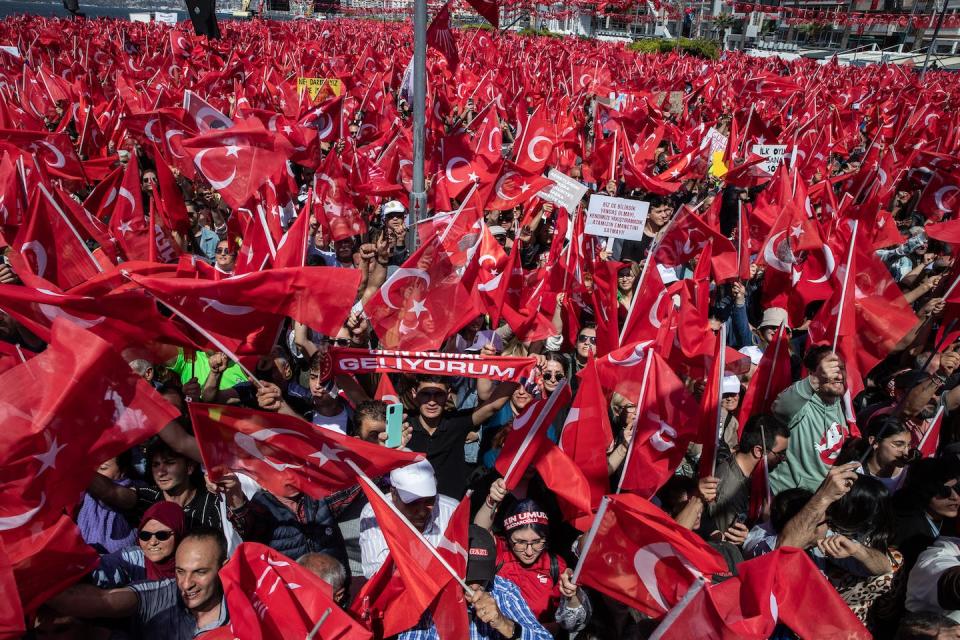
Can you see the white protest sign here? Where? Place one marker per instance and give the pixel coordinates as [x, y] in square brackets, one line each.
[11, 50]
[565, 192]
[170, 17]
[139, 17]
[616, 217]
[774, 153]
[716, 140]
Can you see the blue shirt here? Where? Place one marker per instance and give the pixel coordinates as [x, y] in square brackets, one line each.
[512, 606]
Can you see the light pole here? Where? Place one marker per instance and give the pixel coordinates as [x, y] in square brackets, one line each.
[418, 196]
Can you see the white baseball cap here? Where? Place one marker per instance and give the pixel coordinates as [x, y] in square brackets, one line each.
[414, 481]
[730, 384]
[394, 206]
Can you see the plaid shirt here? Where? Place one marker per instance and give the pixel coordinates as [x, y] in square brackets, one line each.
[512, 606]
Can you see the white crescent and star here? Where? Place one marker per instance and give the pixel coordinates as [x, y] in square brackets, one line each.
[402, 272]
[39, 254]
[12, 522]
[216, 184]
[532, 146]
[770, 257]
[451, 165]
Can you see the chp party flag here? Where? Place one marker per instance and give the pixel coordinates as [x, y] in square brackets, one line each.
[285, 454]
[271, 596]
[637, 554]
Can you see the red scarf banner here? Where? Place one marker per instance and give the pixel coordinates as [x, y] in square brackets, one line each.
[352, 361]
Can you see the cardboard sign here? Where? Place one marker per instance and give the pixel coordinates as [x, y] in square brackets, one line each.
[140, 17]
[716, 140]
[566, 192]
[169, 17]
[616, 217]
[314, 86]
[774, 153]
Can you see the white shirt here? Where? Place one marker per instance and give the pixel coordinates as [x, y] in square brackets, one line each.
[373, 546]
[924, 579]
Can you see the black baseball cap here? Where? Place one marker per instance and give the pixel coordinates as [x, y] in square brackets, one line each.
[482, 556]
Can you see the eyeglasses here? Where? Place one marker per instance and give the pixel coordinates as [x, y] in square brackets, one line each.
[548, 375]
[944, 492]
[587, 339]
[523, 545]
[224, 251]
[161, 536]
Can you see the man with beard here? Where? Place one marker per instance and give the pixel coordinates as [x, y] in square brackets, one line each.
[813, 411]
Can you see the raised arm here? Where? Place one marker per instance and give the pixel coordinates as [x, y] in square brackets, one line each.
[88, 601]
[801, 530]
[117, 496]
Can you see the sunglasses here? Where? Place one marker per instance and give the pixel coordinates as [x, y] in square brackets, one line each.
[779, 455]
[224, 252]
[161, 536]
[340, 342]
[552, 376]
[428, 395]
[587, 339]
[944, 492]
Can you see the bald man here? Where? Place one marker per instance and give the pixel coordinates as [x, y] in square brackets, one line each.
[328, 569]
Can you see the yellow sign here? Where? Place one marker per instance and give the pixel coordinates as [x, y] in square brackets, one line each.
[717, 168]
[320, 87]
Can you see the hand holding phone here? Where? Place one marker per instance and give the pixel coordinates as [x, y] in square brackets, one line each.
[394, 425]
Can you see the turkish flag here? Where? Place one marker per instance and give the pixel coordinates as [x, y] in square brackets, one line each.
[667, 421]
[422, 302]
[783, 586]
[586, 433]
[651, 307]
[239, 160]
[536, 142]
[55, 150]
[286, 454]
[204, 115]
[168, 196]
[244, 310]
[385, 391]
[12, 355]
[449, 609]
[568, 483]
[710, 409]
[65, 411]
[50, 247]
[528, 432]
[292, 248]
[515, 186]
[931, 438]
[128, 220]
[772, 376]
[418, 577]
[271, 596]
[641, 557]
[948, 232]
[123, 318]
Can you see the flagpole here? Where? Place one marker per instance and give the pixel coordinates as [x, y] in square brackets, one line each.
[588, 540]
[433, 550]
[636, 291]
[636, 414]
[933, 423]
[534, 430]
[678, 608]
[718, 425]
[316, 627]
[418, 195]
[846, 279]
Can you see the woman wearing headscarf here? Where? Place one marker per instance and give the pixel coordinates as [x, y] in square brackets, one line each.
[160, 531]
[542, 577]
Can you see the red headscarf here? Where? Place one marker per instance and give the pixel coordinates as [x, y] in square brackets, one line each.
[169, 514]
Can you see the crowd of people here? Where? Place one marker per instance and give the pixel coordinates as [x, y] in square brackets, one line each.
[769, 361]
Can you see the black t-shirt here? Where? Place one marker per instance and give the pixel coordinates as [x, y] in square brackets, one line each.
[202, 511]
[636, 250]
[444, 450]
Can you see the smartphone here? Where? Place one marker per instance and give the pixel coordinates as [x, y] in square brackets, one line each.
[741, 518]
[394, 425]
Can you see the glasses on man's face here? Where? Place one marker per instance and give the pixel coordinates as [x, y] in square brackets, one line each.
[523, 545]
[781, 456]
[339, 342]
[550, 376]
[587, 339]
[944, 491]
[161, 536]
[224, 251]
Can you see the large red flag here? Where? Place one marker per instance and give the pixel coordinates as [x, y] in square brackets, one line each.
[271, 596]
[238, 160]
[11, 611]
[782, 586]
[637, 554]
[286, 454]
[245, 309]
[527, 434]
[772, 376]
[667, 419]
[65, 411]
[586, 433]
[440, 37]
[422, 302]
